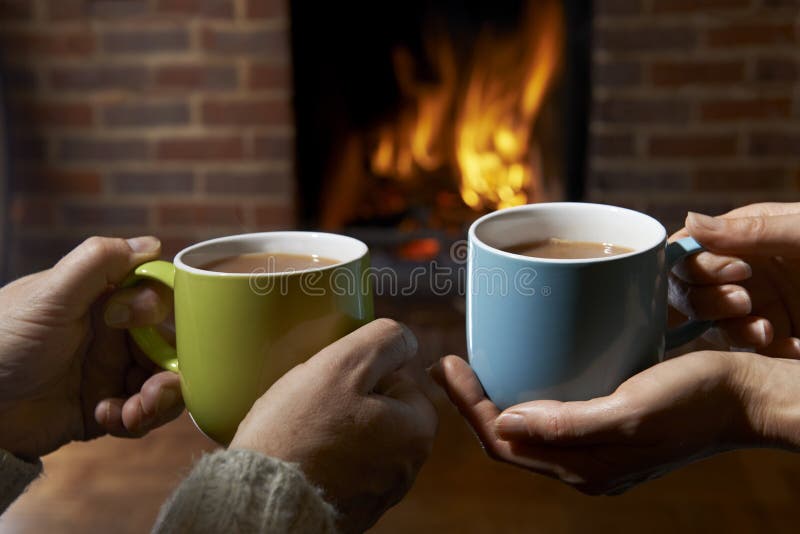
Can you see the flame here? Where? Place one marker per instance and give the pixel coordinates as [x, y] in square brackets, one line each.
[415, 140]
[480, 120]
[502, 101]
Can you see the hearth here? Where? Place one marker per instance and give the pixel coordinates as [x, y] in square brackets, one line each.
[414, 118]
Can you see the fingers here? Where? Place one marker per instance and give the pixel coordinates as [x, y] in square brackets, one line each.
[370, 353]
[466, 393]
[158, 402]
[564, 423]
[149, 303]
[788, 347]
[708, 268]
[746, 332]
[756, 235]
[761, 209]
[99, 262]
[403, 387]
[709, 302]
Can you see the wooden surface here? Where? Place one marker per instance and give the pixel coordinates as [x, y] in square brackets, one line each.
[113, 485]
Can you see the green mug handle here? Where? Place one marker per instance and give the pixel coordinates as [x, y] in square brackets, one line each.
[149, 340]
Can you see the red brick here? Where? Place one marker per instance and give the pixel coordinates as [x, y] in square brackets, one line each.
[32, 211]
[146, 114]
[66, 9]
[16, 10]
[170, 246]
[201, 148]
[699, 6]
[677, 73]
[20, 78]
[273, 147]
[101, 77]
[246, 112]
[646, 38]
[735, 178]
[611, 145]
[266, 43]
[56, 44]
[692, 145]
[152, 181]
[617, 73]
[626, 179]
[249, 182]
[97, 149]
[104, 215]
[643, 110]
[746, 34]
[777, 70]
[196, 77]
[146, 41]
[118, 9]
[205, 8]
[74, 114]
[174, 214]
[266, 8]
[751, 108]
[269, 76]
[28, 147]
[57, 181]
[775, 144]
[277, 217]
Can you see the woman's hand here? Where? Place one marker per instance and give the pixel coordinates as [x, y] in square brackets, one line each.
[64, 374]
[678, 411]
[748, 282]
[357, 418]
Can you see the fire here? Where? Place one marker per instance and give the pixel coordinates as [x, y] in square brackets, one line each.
[478, 120]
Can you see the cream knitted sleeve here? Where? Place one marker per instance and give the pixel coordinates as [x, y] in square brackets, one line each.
[243, 491]
[15, 475]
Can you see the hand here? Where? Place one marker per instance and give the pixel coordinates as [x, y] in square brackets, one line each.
[678, 411]
[749, 282]
[357, 418]
[64, 374]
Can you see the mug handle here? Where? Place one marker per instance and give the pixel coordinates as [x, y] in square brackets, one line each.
[148, 338]
[675, 337]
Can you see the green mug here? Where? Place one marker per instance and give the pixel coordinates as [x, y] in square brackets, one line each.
[237, 333]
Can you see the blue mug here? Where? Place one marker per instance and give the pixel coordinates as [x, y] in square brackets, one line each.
[568, 329]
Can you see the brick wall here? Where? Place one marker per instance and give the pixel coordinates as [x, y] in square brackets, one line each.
[168, 117]
[697, 104]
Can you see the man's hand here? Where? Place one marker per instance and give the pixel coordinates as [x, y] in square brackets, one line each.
[357, 418]
[64, 373]
[748, 282]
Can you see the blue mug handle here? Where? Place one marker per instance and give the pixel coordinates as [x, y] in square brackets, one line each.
[675, 337]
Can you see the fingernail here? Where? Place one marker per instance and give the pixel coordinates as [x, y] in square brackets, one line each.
[117, 314]
[511, 423]
[144, 244]
[410, 339]
[761, 327]
[703, 221]
[166, 399]
[736, 271]
[741, 300]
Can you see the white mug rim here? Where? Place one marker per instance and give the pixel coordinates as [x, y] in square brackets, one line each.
[360, 250]
[473, 238]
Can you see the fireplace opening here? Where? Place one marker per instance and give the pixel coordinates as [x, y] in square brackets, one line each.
[415, 118]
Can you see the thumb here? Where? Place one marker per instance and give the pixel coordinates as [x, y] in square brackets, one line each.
[767, 235]
[92, 267]
[561, 423]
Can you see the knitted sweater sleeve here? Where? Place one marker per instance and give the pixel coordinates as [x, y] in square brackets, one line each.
[15, 475]
[243, 491]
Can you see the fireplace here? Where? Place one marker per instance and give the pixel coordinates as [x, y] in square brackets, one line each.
[413, 121]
